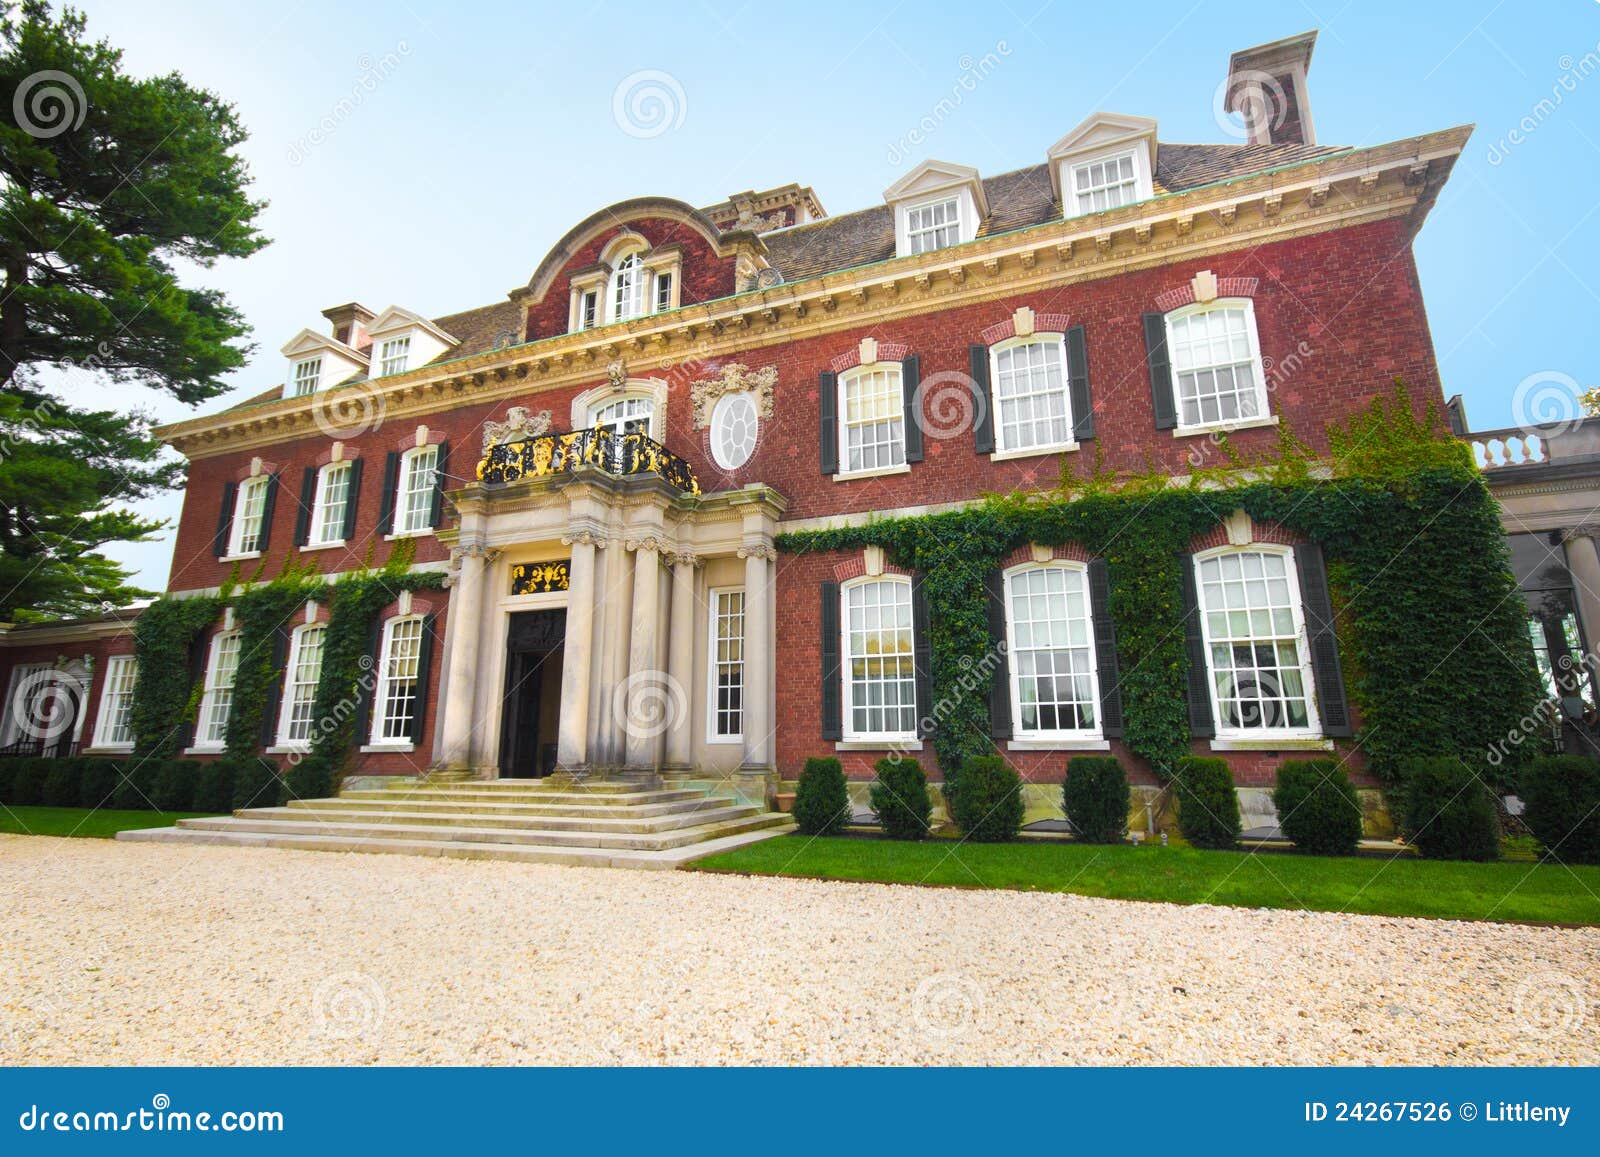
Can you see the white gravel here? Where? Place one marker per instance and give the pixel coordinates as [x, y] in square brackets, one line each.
[158, 954]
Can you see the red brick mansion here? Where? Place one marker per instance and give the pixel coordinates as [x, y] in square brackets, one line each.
[601, 463]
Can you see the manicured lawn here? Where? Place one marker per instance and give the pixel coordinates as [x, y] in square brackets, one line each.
[1397, 887]
[78, 821]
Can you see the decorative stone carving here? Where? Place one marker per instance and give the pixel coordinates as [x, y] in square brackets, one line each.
[585, 538]
[520, 423]
[617, 374]
[685, 558]
[649, 542]
[735, 378]
[759, 550]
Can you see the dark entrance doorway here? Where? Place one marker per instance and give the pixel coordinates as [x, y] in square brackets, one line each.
[533, 693]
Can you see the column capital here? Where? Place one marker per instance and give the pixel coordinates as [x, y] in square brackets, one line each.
[685, 558]
[1589, 530]
[759, 550]
[585, 536]
[647, 542]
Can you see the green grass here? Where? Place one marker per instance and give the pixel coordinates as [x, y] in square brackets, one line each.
[1388, 887]
[101, 823]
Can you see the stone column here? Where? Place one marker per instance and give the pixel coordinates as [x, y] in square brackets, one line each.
[756, 779]
[457, 706]
[649, 696]
[572, 751]
[680, 661]
[1583, 560]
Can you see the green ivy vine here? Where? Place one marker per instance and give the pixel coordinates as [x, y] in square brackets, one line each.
[1430, 622]
[166, 694]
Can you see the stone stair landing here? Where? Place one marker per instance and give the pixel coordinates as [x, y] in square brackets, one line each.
[595, 824]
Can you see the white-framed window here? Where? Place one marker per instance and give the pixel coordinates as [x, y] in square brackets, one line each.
[627, 288]
[1216, 363]
[1256, 648]
[624, 416]
[330, 505]
[735, 423]
[872, 433]
[413, 507]
[935, 225]
[1105, 183]
[300, 684]
[589, 309]
[663, 291]
[725, 666]
[880, 675]
[249, 516]
[24, 704]
[393, 355]
[1033, 407]
[114, 727]
[1049, 624]
[307, 374]
[395, 703]
[216, 699]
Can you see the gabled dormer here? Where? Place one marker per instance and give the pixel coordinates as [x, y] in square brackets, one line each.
[936, 205]
[1107, 161]
[317, 362]
[402, 340]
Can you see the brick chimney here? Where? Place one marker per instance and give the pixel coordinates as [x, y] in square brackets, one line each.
[1266, 86]
[349, 323]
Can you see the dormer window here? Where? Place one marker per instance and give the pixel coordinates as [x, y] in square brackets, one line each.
[394, 354]
[306, 376]
[936, 205]
[1108, 183]
[627, 288]
[936, 225]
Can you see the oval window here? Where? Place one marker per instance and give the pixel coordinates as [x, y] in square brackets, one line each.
[733, 430]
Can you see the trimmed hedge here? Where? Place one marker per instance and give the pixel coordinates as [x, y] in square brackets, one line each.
[1208, 808]
[1449, 812]
[98, 783]
[1095, 798]
[1561, 798]
[136, 786]
[213, 786]
[987, 803]
[900, 798]
[822, 801]
[27, 782]
[1318, 807]
[256, 782]
[61, 783]
[175, 786]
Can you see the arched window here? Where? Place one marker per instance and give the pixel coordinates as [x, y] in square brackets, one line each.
[1255, 642]
[880, 677]
[624, 416]
[627, 288]
[1054, 690]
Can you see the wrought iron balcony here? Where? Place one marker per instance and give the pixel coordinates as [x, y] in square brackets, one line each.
[600, 448]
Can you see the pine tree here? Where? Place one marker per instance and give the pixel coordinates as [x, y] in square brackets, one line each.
[107, 182]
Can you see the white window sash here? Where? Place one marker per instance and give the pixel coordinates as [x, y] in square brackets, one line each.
[388, 682]
[116, 700]
[294, 685]
[326, 529]
[1058, 344]
[847, 673]
[895, 447]
[714, 666]
[249, 507]
[216, 700]
[1257, 372]
[394, 355]
[414, 502]
[1013, 653]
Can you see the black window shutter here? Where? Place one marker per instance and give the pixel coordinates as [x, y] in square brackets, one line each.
[308, 500]
[351, 495]
[1078, 385]
[1317, 607]
[832, 713]
[910, 379]
[199, 647]
[1200, 721]
[994, 586]
[280, 659]
[367, 685]
[1155, 352]
[922, 658]
[1105, 650]
[391, 480]
[230, 496]
[269, 503]
[424, 673]
[441, 471]
[982, 407]
[828, 430]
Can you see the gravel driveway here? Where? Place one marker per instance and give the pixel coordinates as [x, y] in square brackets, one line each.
[115, 953]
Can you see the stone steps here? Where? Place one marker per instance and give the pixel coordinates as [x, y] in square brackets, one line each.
[595, 824]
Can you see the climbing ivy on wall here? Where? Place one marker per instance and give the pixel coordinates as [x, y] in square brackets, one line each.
[1429, 620]
[166, 693]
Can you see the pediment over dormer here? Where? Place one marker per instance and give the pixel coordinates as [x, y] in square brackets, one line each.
[931, 177]
[317, 361]
[936, 205]
[403, 341]
[1108, 160]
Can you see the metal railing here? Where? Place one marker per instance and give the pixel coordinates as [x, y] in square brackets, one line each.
[600, 448]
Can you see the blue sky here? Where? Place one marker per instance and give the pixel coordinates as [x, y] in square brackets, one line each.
[475, 135]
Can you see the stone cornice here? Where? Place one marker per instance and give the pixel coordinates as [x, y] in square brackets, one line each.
[1342, 190]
